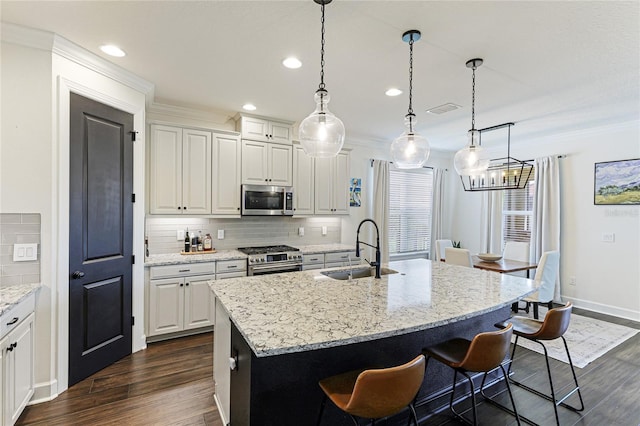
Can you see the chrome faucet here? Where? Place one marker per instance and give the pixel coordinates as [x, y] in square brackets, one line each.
[377, 246]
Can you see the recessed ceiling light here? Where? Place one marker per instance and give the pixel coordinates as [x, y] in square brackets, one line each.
[249, 107]
[292, 63]
[112, 50]
[393, 92]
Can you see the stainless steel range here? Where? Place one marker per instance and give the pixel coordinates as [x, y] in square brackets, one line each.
[272, 259]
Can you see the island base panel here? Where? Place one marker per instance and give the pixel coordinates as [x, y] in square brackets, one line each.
[283, 389]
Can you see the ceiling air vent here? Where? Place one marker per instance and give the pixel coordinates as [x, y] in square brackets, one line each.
[443, 108]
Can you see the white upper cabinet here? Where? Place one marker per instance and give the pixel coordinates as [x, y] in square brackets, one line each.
[303, 182]
[225, 197]
[264, 129]
[266, 163]
[179, 171]
[196, 172]
[332, 184]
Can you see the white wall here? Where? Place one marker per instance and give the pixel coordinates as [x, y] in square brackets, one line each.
[607, 275]
[26, 171]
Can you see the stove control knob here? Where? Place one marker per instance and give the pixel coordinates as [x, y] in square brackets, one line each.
[252, 260]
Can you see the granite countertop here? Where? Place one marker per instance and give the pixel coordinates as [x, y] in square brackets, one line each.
[177, 258]
[326, 248]
[13, 294]
[301, 311]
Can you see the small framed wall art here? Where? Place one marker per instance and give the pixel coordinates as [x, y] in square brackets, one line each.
[617, 182]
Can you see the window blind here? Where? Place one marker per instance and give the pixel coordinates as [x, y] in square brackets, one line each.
[410, 202]
[517, 210]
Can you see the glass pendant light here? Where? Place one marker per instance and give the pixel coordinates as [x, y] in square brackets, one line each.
[321, 133]
[472, 160]
[410, 150]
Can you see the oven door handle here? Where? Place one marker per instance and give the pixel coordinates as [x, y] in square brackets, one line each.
[278, 266]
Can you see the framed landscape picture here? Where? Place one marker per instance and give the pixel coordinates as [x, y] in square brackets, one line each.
[617, 182]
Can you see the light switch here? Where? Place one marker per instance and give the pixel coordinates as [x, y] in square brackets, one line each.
[25, 252]
[221, 234]
[324, 230]
[608, 237]
[301, 231]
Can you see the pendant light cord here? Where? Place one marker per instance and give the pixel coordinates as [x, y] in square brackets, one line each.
[410, 110]
[473, 98]
[321, 86]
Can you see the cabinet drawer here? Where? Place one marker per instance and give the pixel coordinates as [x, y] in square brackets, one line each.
[310, 266]
[182, 270]
[225, 275]
[341, 257]
[12, 318]
[223, 266]
[310, 259]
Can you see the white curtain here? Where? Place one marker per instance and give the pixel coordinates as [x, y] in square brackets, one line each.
[437, 209]
[381, 204]
[491, 219]
[545, 226]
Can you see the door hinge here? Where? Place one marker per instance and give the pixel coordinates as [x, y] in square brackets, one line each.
[133, 259]
[133, 135]
[133, 198]
[133, 321]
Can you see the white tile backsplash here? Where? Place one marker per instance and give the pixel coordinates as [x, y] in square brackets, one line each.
[18, 228]
[243, 232]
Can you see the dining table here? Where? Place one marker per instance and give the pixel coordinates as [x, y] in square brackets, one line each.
[504, 266]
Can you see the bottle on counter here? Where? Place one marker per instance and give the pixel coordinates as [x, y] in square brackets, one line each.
[187, 242]
[200, 241]
[194, 242]
[207, 244]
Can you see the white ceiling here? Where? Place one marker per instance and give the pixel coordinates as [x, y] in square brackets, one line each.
[550, 67]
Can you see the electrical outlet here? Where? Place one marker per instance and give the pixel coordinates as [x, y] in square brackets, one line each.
[301, 231]
[221, 234]
[572, 281]
[180, 235]
[324, 230]
[608, 237]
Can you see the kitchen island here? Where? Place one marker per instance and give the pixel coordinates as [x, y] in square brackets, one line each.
[284, 332]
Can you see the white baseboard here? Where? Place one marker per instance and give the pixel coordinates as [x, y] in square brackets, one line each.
[44, 392]
[604, 309]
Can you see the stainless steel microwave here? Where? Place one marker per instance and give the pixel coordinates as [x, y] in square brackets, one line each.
[267, 200]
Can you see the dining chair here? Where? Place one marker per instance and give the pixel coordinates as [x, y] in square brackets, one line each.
[457, 256]
[440, 246]
[546, 275]
[375, 393]
[516, 250]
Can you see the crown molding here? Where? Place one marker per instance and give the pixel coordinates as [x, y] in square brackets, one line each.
[51, 42]
[185, 114]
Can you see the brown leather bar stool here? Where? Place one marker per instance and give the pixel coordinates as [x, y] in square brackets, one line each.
[554, 325]
[482, 354]
[376, 393]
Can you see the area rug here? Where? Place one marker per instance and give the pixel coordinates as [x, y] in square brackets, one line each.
[587, 339]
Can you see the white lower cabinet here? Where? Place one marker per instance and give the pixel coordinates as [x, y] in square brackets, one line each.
[17, 358]
[179, 298]
[178, 304]
[221, 368]
[333, 260]
[312, 261]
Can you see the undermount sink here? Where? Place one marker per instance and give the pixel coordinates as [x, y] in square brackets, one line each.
[370, 271]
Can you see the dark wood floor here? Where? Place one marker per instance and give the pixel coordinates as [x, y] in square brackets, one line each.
[170, 383]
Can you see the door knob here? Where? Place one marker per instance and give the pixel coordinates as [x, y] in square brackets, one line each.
[77, 274]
